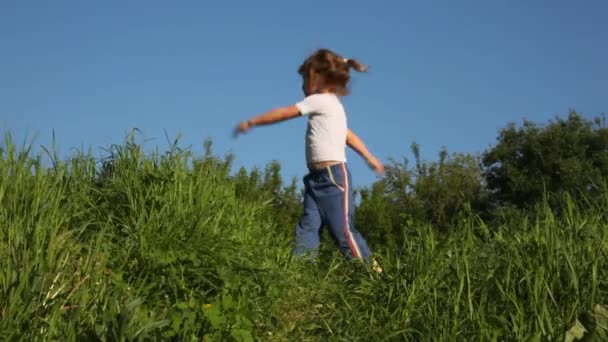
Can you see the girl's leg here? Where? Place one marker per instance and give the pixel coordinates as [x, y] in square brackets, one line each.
[338, 208]
[308, 229]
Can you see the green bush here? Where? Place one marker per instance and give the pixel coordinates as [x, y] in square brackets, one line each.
[568, 155]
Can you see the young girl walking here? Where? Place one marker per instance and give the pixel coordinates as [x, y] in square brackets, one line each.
[328, 196]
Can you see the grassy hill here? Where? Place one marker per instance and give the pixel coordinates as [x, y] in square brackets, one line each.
[161, 246]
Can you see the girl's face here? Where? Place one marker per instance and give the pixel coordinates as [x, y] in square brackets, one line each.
[307, 86]
[310, 84]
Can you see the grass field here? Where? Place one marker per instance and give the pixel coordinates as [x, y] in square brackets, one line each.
[157, 246]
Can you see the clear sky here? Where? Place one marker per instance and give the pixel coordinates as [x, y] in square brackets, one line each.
[442, 73]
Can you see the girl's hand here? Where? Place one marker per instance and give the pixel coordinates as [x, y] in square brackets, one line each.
[376, 165]
[242, 128]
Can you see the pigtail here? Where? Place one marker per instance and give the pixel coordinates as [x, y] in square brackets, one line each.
[354, 64]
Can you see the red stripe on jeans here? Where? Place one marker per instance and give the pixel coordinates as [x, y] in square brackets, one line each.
[349, 237]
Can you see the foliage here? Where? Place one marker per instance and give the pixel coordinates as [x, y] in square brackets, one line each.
[165, 246]
[566, 156]
[436, 193]
[527, 166]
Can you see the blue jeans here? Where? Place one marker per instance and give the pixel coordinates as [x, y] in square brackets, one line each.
[328, 201]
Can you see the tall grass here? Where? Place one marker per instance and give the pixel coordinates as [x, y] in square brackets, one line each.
[158, 246]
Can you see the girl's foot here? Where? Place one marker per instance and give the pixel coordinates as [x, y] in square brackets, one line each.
[376, 267]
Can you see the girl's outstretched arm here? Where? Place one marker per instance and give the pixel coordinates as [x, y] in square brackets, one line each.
[354, 142]
[271, 117]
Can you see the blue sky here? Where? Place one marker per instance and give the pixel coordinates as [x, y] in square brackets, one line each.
[442, 73]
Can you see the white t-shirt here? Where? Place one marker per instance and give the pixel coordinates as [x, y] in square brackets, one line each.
[327, 127]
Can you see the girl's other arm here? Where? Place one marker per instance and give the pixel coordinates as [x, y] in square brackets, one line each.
[354, 142]
[271, 117]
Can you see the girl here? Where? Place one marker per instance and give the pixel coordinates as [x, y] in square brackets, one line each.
[328, 196]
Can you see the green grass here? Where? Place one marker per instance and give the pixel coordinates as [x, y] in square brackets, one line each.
[158, 246]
